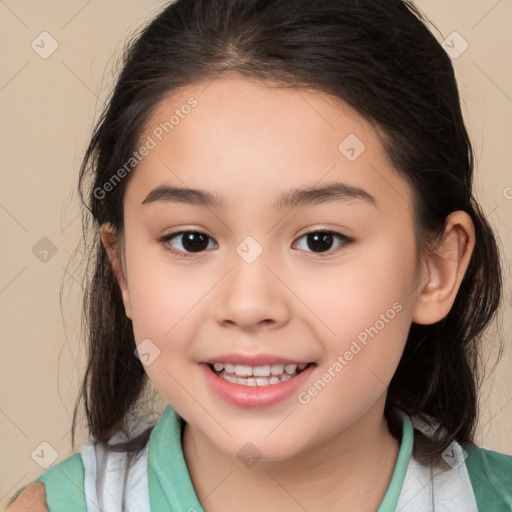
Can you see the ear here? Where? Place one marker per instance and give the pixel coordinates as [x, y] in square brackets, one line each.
[113, 247]
[444, 270]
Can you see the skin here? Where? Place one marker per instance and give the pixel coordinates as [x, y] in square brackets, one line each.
[32, 498]
[248, 141]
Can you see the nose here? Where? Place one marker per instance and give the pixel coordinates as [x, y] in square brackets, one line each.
[252, 297]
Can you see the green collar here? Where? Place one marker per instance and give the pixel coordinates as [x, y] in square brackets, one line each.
[170, 487]
[390, 500]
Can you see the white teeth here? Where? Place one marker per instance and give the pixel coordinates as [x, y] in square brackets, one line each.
[253, 382]
[257, 375]
[261, 371]
[290, 368]
[243, 371]
[277, 369]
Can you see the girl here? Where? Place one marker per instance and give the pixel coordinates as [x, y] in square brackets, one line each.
[288, 247]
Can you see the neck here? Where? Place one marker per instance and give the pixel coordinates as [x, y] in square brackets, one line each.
[349, 471]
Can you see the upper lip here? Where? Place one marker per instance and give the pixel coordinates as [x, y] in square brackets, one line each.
[256, 360]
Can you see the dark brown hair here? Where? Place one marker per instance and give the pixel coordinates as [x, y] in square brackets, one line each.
[380, 58]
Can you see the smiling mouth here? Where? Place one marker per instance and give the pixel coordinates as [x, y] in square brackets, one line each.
[254, 376]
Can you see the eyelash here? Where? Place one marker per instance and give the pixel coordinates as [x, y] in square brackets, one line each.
[181, 254]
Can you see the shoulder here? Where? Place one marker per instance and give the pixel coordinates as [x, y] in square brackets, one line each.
[490, 473]
[32, 497]
[60, 487]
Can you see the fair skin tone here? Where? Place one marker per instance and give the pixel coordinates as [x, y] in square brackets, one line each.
[248, 143]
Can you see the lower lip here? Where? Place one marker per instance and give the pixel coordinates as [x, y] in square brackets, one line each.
[254, 396]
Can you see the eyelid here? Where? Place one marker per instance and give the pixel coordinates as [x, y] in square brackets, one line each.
[336, 234]
[182, 254]
[345, 240]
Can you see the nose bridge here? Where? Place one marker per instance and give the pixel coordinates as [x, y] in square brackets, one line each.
[252, 295]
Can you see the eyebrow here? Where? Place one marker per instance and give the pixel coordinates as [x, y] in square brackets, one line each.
[291, 199]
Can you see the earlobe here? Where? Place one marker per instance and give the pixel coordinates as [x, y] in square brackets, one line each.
[444, 269]
[113, 248]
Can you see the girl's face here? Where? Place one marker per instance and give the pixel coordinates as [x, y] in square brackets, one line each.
[263, 285]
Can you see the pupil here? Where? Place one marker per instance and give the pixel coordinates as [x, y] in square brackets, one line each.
[317, 241]
[194, 242]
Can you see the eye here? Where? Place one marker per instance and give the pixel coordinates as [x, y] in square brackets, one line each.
[196, 242]
[321, 241]
[192, 242]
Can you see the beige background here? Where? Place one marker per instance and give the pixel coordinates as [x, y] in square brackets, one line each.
[47, 111]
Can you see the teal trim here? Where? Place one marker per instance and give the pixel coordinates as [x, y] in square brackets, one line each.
[490, 474]
[171, 490]
[60, 495]
[64, 485]
[390, 500]
[170, 487]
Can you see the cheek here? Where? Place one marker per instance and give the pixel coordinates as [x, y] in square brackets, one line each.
[166, 306]
[365, 289]
[163, 296]
[365, 310]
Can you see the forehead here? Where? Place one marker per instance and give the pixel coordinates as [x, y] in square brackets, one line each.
[252, 139]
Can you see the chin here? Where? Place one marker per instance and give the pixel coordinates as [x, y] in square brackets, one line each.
[251, 451]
